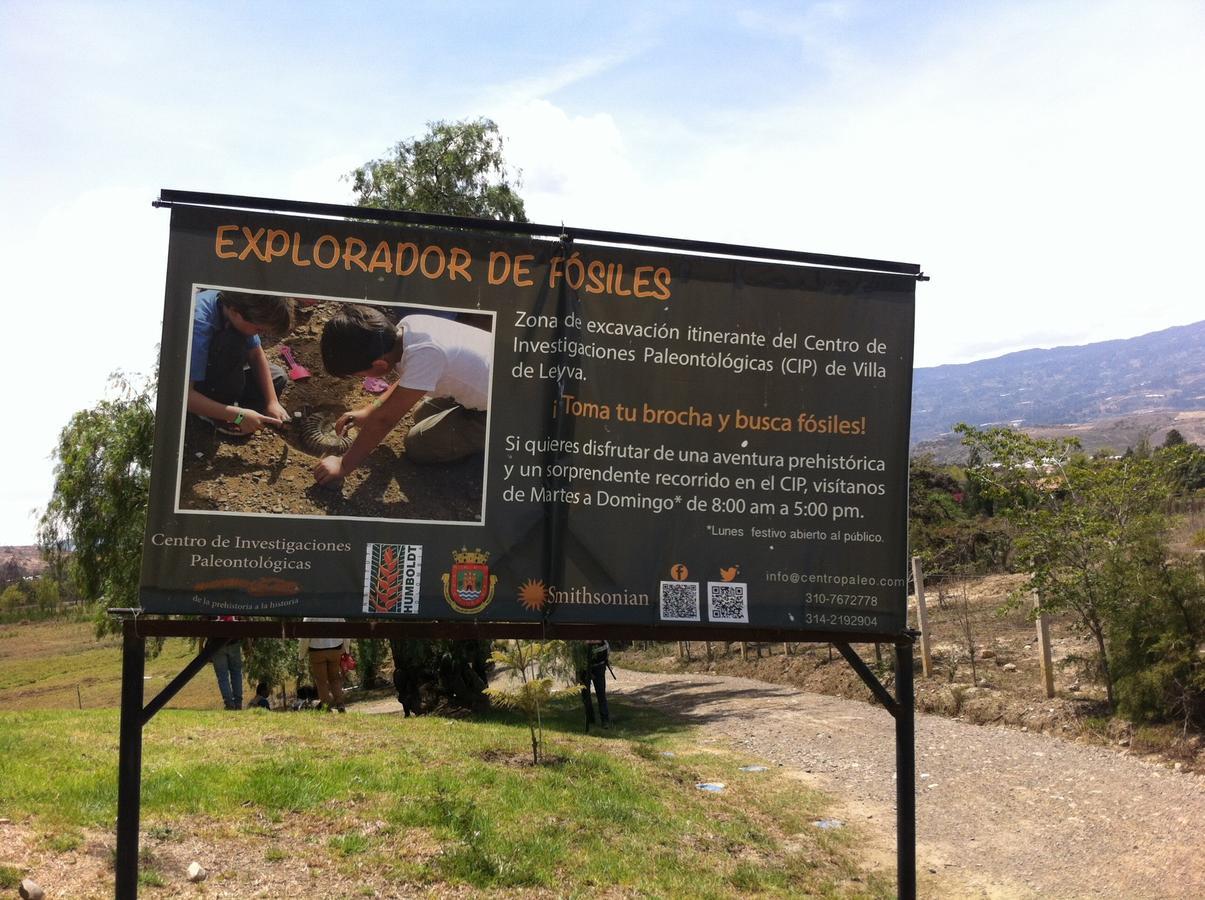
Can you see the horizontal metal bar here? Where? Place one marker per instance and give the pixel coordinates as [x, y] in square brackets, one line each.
[369, 628]
[863, 670]
[168, 198]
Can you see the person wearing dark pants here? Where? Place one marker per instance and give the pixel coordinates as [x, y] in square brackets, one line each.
[409, 660]
[228, 376]
[228, 666]
[591, 659]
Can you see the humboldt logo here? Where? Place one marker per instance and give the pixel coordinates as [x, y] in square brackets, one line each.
[469, 587]
[391, 578]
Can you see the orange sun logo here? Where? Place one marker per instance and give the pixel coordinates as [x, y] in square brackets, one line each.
[533, 594]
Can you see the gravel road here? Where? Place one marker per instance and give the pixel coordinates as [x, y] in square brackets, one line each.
[1000, 812]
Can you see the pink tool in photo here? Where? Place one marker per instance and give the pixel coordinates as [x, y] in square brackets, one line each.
[297, 372]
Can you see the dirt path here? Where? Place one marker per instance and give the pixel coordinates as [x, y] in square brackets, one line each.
[1000, 813]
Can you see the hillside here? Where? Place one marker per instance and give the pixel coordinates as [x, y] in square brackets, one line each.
[1116, 434]
[19, 562]
[1139, 385]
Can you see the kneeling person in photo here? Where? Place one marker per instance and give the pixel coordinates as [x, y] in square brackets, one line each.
[442, 366]
[231, 382]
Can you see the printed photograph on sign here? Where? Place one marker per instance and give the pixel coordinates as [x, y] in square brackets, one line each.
[324, 407]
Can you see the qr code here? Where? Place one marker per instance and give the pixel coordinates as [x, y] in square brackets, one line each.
[727, 601]
[680, 601]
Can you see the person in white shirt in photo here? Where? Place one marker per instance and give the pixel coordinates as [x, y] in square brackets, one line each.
[442, 366]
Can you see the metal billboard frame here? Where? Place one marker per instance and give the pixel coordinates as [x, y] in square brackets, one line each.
[136, 628]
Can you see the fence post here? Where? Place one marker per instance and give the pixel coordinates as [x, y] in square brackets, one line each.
[922, 616]
[1044, 656]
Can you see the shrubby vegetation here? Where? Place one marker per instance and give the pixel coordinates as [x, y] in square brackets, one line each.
[1092, 535]
[98, 506]
[33, 599]
[536, 668]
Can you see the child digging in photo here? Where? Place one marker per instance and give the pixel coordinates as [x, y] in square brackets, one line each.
[231, 383]
[442, 363]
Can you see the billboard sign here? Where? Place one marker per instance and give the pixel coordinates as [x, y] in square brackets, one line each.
[409, 423]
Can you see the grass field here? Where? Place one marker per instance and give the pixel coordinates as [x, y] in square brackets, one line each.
[62, 665]
[312, 804]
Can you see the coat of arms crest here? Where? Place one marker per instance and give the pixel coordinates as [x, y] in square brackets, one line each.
[469, 587]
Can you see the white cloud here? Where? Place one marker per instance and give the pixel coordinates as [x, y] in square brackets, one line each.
[541, 84]
[1040, 162]
[575, 168]
[82, 300]
[323, 180]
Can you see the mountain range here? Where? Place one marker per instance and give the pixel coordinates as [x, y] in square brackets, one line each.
[1112, 392]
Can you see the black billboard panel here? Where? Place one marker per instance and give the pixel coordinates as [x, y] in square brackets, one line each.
[416, 424]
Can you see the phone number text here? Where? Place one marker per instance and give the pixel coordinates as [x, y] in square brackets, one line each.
[842, 599]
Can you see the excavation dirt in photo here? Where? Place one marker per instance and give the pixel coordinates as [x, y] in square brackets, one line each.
[269, 472]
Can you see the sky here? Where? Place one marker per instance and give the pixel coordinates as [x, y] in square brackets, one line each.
[1043, 161]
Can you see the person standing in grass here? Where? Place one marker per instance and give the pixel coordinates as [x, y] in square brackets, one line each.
[409, 661]
[322, 655]
[228, 667]
[591, 660]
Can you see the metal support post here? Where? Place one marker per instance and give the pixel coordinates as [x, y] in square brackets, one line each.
[868, 677]
[129, 764]
[160, 700]
[905, 772]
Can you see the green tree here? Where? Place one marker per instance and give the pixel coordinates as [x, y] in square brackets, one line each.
[14, 597]
[47, 594]
[456, 168]
[1185, 464]
[101, 484]
[1173, 438]
[274, 661]
[1090, 532]
[370, 655]
[1159, 668]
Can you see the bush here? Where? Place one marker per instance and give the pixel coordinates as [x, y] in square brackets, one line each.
[46, 594]
[370, 656]
[1160, 672]
[14, 596]
[275, 661]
